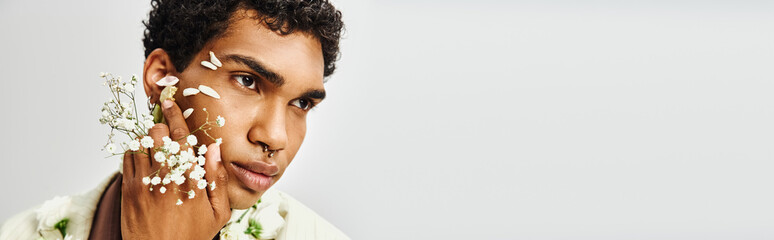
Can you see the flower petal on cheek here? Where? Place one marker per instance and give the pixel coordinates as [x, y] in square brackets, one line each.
[190, 91]
[167, 81]
[209, 91]
[187, 113]
[209, 65]
[215, 61]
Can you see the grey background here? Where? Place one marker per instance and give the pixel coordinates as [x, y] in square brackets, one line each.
[459, 119]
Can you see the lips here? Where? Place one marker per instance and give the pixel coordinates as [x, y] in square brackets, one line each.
[255, 175]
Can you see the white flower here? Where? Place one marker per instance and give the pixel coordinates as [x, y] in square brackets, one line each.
[110, 148]
[146, 142]
[220, 121]
[191, 194]
[190, 92]
[68, 237]
[235, 231]
[200, 160]
[134, 145]
[159, 156]
[166, 180]
[102, 74]
[212, 185]
[52, 211]
[166, 140]
[202, 150]
[162, 190]
[179, 179]
[128, 87]
[201, 184]
[209, 91]
[148, 123]
[173, 147]
[156, 180]
[197, 173]
[191, 139]
[219, 140]
[271, 221]
[179, 202]
[146, 180]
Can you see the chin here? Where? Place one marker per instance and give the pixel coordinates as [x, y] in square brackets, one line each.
[242, 199]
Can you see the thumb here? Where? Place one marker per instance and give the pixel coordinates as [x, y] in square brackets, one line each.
[217, 192]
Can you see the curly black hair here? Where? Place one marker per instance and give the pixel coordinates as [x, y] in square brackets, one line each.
[183, 27]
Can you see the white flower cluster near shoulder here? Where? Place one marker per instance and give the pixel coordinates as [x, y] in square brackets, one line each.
[53, 217]
[261, 221]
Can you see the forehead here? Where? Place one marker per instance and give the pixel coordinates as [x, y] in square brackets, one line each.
[297, 57]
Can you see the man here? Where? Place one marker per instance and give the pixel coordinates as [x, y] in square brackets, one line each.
[272, 58]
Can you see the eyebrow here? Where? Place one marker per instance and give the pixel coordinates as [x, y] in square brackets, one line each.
[314, 94]
[258, 67]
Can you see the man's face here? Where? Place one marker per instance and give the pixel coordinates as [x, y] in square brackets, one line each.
[267, 84]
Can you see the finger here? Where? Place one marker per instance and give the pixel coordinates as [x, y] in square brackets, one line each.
[157, 132]
[128, 166]
[215, 172]
[178, 129]
[141, 163]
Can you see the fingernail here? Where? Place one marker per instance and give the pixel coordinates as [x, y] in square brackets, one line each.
[217, 152]
[166, 104]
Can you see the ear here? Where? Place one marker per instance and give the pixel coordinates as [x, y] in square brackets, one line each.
[157, 66]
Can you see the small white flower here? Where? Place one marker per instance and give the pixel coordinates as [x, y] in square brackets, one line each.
[146, 142]
[212, 185]
[173, 147]
[146, 180]
[128, 87]
[179, 180]
[201, 184]
[166, 140]
[148, 123]
[191, 139]
[155, 180]
[102, 74]
[134, 145]
[202, 149]
[167, 81]
[209, 65]
[52, 211]
[219, 140]
[110, 148]
[220, 121]
[159, 156]
[162, 190]
[190, 92]
[179, 202]
[191, 194]
[209, 91]
[200, 160]
[214, 60]
[187, 113]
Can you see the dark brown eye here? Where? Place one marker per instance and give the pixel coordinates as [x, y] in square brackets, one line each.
[302, 104]
[246, 81]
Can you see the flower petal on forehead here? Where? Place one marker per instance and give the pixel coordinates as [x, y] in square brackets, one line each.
[215, 61]
[167, 81]
[190, 91]
[209, 91]
[209, 65]
[187, 112]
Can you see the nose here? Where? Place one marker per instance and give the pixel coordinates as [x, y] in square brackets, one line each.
[269, 128]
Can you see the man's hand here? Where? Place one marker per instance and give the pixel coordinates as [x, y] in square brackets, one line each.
[153, 215]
